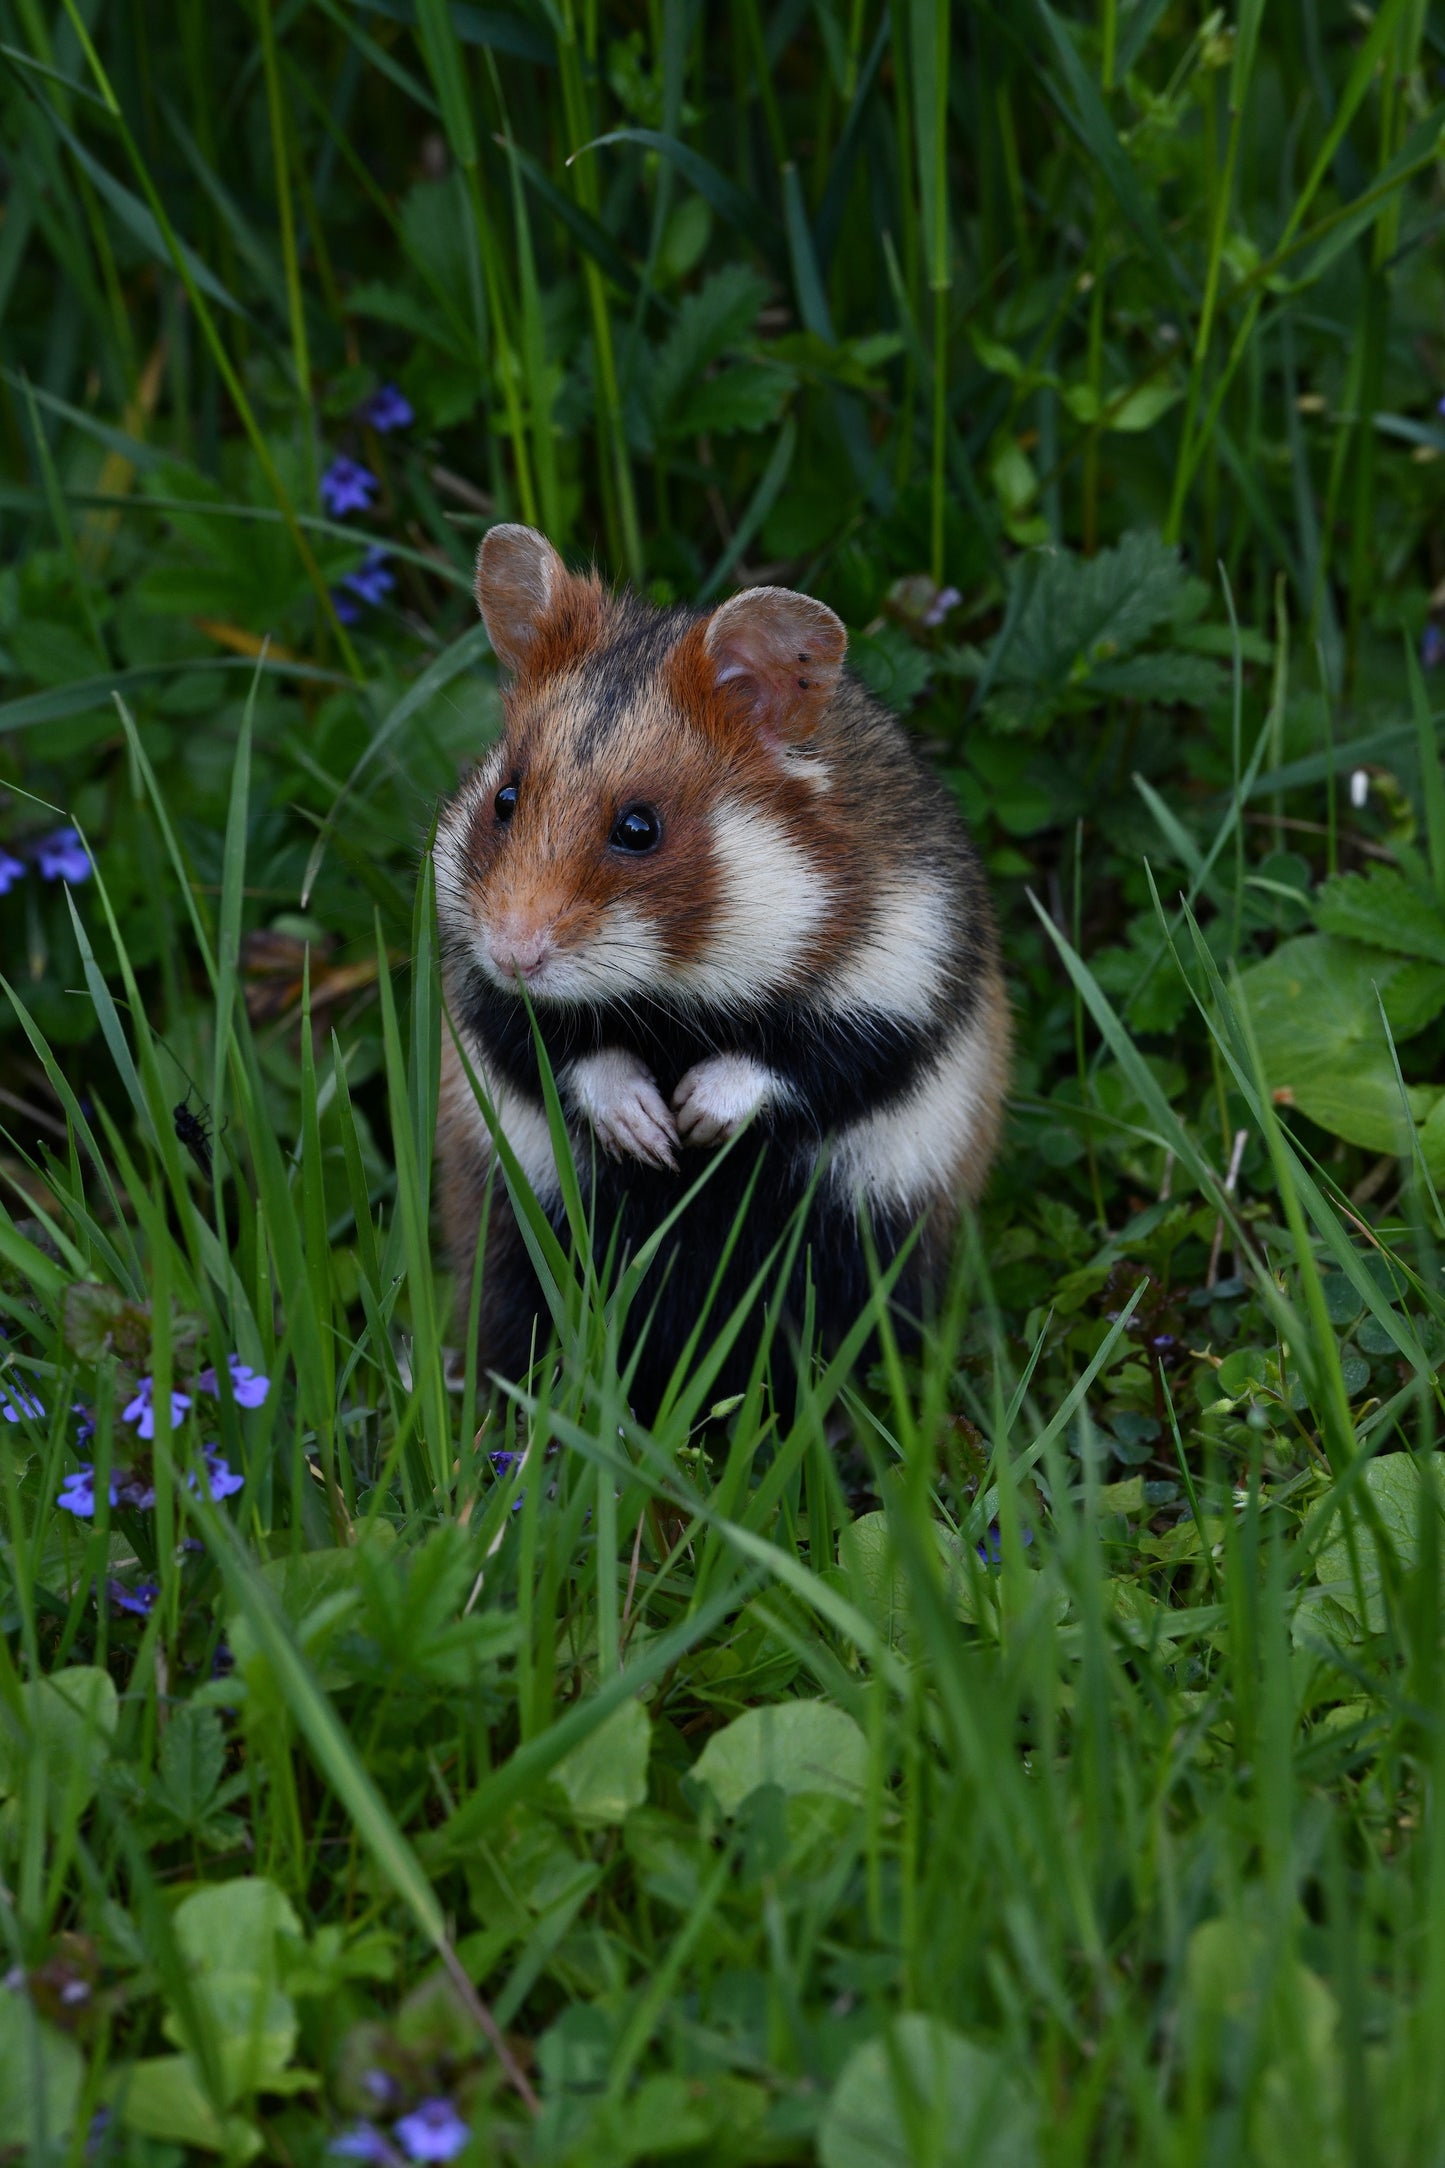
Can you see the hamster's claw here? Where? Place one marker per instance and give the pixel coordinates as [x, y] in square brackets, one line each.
[627, 1111]
[717, 1096]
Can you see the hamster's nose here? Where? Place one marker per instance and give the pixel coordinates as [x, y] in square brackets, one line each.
[519, 948]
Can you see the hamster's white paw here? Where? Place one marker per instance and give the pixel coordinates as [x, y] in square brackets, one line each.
[619, 1098]
[717, 1096]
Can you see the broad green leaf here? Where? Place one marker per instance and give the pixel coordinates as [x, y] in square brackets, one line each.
[801, 1746]
[162, 2097]
[606, 1776]
[1317, 1025]
[40, 2073]
[70, 1721]
[920, 2091]
[1402, 1487]
[1384, 909]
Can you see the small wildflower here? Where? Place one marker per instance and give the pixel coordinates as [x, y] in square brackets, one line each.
[386, 409]
[141, 1410]
[990, 1551]
[1359, 787]
[947, 598]
[63, 857]
[77, 1491]
[347, 486]
[434, 2131]
[130, 1487]
[221, 1478]
[364, 2142]
[1432, 647]
[139, 1601]
[371, 580]
[382, 2087]
[248, 1386]
[347, 611]
[85, 1427]
[15, 1402]
[11, 871]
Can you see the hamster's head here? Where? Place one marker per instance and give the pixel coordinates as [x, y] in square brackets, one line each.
[654, 822]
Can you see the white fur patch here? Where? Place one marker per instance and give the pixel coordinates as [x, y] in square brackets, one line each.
[773, 899]
[523, 1124]
[623, 956]
[617, 1094]
[903, 962]
[718, 1095]
[909, 1154]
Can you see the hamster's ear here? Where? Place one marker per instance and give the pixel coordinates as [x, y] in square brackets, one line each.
[535, 610]
[781, 654]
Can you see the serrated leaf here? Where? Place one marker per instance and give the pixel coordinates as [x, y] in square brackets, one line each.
[747, 397]
[1084, 615]
[710, 322]
[99, 1322]
[1383, 908]
[894, 670]
[1171, 678]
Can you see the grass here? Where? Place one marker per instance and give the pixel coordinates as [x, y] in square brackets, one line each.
[1027, 1752]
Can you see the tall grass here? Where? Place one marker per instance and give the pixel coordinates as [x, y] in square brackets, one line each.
[1028, 1750]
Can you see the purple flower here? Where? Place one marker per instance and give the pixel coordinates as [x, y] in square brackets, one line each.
[130, 1488]
[364, 2142]
[248, 1386]
[77, 1491]
[221, 1478]
[139, 1601]
[347, 486]
[434, 2131]
[386, 409]
[1432, 647]
[141, 1410]
[947, 598]
[382, 2087]
[371, 580]
[990, 1550]
[85, 1428]
[11, 871]
[348, 612]
[16, 1402]
[63, 857]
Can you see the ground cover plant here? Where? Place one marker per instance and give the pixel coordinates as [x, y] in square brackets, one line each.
[1029, 1751]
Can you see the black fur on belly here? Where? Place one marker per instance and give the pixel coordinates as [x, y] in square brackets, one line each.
[628, 1200]
[838, 1067]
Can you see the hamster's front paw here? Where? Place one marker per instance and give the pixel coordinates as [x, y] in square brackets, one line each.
[717, 1096]
[617, 1094]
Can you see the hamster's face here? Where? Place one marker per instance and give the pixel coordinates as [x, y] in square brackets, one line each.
[646, 826]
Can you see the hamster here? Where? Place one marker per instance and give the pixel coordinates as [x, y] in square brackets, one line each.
[735, 896]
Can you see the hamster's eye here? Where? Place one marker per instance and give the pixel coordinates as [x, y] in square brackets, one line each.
[505, 802]
[636, 828]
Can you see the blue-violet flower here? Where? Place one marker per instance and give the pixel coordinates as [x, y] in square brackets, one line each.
[386, 409]
[347, 486]
[63, 857]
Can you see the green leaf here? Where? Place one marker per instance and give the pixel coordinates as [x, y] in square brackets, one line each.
[749, 397]
[717, 318]
[229, 1935]
[606, 1776]
[1383, 908]
[192, 1760]
[162, 2097]
[1316, 1022]
[894, 670]
[40, 2074]
[920, 2091]
[1402, 1486]
[801, 1746]
[70, 1720]
[1083, 615]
